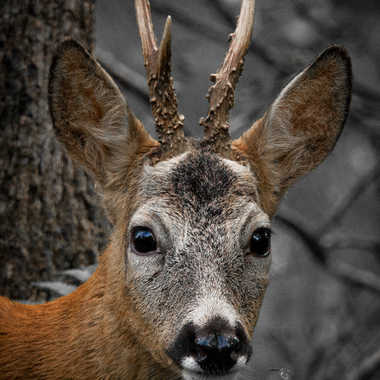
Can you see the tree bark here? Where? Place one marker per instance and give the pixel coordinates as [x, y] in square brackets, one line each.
[49, 214]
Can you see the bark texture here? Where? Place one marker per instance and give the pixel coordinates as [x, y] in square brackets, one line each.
[50, 217]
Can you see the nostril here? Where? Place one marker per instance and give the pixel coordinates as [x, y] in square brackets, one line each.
[214, 347]
[208, 341]
[227, 342]
[218, 342]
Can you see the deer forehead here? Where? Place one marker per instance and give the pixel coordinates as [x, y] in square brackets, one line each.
[201, 186]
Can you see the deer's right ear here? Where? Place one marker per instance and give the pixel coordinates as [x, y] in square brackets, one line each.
[90, 115]
[302, 125]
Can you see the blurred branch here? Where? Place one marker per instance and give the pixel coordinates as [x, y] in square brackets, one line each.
[368, 129]
[366, 368]
[354, 243]
[327, 348]
[366, 92]
[333, 32]
[357, 276]
[57, 287]
[303, 11]
[80, 275]
[359, 188]
[310, 241]
[338, 269]
[207, 30]
[127, 77]
[283, 68]
[281, 344]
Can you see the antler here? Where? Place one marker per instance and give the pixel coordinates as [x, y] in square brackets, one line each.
[221, 94]
[169, 123]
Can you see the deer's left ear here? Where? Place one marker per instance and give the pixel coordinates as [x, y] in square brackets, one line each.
[90, 116]
[302, 125]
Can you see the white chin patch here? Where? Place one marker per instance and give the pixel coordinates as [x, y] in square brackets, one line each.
[188, 375]
[192, 371]
[189, 363]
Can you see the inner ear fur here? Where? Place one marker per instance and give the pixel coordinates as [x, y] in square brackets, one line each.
[90, 115]
[302, 125]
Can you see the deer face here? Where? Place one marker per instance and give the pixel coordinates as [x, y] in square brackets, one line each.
[192, 218]
[198, 259]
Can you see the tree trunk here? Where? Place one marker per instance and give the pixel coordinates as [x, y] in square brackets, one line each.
[49, 214]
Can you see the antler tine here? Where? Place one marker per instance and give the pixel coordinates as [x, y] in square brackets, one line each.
[221, 94]
[169, 123]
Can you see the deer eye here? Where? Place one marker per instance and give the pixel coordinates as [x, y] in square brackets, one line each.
[143, 241]
[260, 242]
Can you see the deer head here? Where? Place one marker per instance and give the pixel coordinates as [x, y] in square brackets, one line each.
[190, 254]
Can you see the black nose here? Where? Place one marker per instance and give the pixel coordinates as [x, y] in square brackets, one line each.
[215, 348]
[217, 353]
[217, 342]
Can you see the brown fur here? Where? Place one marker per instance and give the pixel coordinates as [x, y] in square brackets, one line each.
[69, 337]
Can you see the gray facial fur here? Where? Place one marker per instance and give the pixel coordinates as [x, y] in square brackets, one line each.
[202, 210]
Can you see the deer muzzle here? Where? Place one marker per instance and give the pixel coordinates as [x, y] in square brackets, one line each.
[215, 349]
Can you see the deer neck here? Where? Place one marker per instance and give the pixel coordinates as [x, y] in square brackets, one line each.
[88, 334]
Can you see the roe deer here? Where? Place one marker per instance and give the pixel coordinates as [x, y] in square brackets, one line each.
[178, 290]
